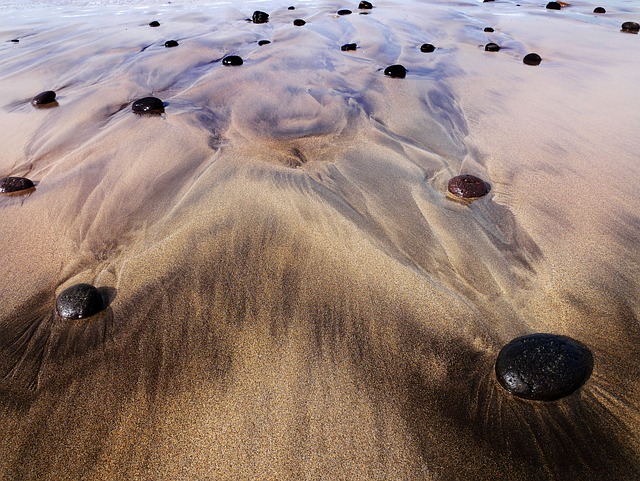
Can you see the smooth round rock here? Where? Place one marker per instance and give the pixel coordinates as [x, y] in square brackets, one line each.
[148, 105]
[467, 186]
[488, 29]
[260, 17]
[44, 98]
[171, 43]
[291, 8]
[344, 12]
[543, 367]
[15, 184]
[232, 60]
[365, 5]
[599, 10]
[348, 46]
[554, 6]
[631, 27]
[427, 48]
[155, 23]
[298, 22]
[492, 47]
[264, 42]
[532, 59]
[395, 71]
[79, 301]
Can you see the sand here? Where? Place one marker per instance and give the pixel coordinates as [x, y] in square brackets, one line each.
[291, 293]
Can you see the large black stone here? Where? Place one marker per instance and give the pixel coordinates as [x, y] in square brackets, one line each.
[365, 5]
[488, 29]
[148, 105]
[396, 71]
[155, 23]
[15, 184]
[630, 27]
[298, 22]
[344, 12]
[291, 8]
[232, 60]
[554, 6]
[79, 301]
[44, 98]
[427, 48]
[543, 367]
[171, 43]
[260, 17]
[532, 59]
[492, 47]
[467, 186]
[599, 10]
[263, 42]
[348, 46]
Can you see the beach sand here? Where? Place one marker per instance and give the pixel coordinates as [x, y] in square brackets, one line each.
[291, 293]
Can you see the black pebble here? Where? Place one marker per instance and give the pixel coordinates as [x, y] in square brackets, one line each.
[148, 105]
[543, 367]
[15, 184]
[291, 8]
[263, 42]
[488, 29]
[44, 98]
[554, 6]
[344, 12]
[79, 301]
[467, 186]
[532, 59]
[485, 1]
[427, 48]
[298, 22]
[348, 46]
[396, 71]
[260, 17]
[492, 47]
[599, 10]
[631, 27]
[155, 23]
[171, 43]
[15, 40]
[365, 5]
[232, 60]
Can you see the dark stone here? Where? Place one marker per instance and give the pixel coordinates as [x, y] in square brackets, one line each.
[396, 71]
[532, 59]
[15, 40]
[155, 23]
[291, 8]
[631, 27]
[79, 301]
[365, 5]
[344, 12]
[554, 6]
[260, 17]
[263, 42]
[599, 10]
[492, 47]
[232, 60]
[485, 1]
[148, 105]
[44, 98]
[488, 29]
[298, 22]
[467, 186]
[15, 184]
[543, 367]
[348, 46]
[171, 43]
[427, 48]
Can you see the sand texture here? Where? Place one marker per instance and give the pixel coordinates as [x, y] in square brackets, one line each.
[291, 294]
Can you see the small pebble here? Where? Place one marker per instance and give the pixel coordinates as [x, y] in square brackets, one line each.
[532, 59]
[630, 27]
[554, 6]
[365, 5]
[260, 17]
[232, 60]
[467, 186]
[148, 105]
[44, 98]
[155, 23]
[263, 42]
[492, 47]
[485, 1]
[599, 10]
[15, 40]
[298, 22]
[15, 184]
[396, 71]
[79, 301]
[427, 48]
[344, 12]
[348, 46]
[291, 8]
[488, 29]
[171, 43]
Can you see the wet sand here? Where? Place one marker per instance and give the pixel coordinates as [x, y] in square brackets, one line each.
[291, 293]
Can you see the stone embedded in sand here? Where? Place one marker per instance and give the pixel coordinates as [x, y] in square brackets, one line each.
[15, 40]
[155, 23]
[554, 6]
[365, 5]
[543, 367]
[488, 29]
[630, 27]
[485, 1]
[532, 59]
[263, 42]
[15, 184]
[232, 60]
[298, 22]
[171, 43]
[260, 17]
[492, 47]
[599, 10]
[348, 46]
[44, 98]
[291, 8]
[427, 48]
[79, 301]
[467, 186]
[148, 105]
[344, 12]
[395, 71]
